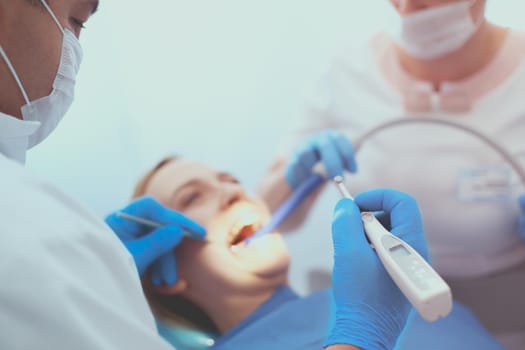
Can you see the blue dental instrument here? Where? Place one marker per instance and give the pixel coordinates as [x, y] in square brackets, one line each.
[295, 199]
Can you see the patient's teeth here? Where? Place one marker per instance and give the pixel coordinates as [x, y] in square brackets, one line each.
[234, 248]
[248, 219]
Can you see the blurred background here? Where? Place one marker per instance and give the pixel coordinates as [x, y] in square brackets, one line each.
[219, 81]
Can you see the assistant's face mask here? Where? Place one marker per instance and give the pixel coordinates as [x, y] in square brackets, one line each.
[437, 31]
[49, 110]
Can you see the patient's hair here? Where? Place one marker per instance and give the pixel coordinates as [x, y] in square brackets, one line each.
[175, 308]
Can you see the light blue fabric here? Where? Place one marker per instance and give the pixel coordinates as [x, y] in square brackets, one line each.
[185, 338]
[287, 321]
[460, 330]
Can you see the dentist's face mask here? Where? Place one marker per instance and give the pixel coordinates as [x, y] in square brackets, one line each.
[437, 31]
[51, 109]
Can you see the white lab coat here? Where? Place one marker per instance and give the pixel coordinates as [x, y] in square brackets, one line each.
[467, 193]
[67, 281]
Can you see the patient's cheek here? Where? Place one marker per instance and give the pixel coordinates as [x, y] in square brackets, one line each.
[202, 213]
[184, 253]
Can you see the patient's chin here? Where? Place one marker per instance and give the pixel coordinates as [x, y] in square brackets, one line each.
[277, 268]
[266, 257]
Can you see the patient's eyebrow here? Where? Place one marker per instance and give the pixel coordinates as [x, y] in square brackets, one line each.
[224, 176]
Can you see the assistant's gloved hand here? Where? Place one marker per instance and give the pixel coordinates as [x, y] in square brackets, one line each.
[521, 200]
[330, 147]
[371, 311]
[153, 246]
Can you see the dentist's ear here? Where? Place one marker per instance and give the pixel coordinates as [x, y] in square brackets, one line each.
[180, 286]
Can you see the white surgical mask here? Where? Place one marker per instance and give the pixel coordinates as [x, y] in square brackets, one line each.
[437, 31]
[49, 110]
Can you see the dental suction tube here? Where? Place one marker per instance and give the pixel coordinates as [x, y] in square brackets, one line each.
[285, 209]
[445, 122]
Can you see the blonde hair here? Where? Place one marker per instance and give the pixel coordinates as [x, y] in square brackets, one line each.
[142, 184]
[174, 308]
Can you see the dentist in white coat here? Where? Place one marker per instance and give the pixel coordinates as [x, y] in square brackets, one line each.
[67, 280]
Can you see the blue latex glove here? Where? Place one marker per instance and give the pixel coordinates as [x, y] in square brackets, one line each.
[153, 246]
[371, 311]
[521, 200]
[331, 148]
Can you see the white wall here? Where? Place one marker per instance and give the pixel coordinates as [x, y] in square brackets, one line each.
[214, 80]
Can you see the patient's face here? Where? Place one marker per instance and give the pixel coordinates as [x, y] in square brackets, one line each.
[217, 201]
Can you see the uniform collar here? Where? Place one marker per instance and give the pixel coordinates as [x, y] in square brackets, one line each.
[281, 296]
[455, 97]
[14, 135]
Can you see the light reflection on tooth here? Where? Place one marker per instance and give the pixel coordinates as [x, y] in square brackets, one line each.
[234, 248]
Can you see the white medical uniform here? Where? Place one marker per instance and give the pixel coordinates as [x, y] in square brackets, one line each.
[67, 281]
[467, 192]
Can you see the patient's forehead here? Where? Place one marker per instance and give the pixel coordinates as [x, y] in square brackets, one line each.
[175, 174]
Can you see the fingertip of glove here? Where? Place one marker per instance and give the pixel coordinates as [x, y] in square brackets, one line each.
[170, 279]
[199, 230]
[347, 217]
[345, 206]
[109, 217]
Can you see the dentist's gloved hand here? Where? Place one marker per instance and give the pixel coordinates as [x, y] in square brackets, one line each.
[521, 200]
[153, 247]
[330, 147]
[371, 311]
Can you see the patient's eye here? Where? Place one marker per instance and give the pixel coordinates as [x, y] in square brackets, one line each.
[234, 180]
[190, 199]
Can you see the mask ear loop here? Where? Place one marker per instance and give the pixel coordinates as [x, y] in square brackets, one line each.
[52, 15]
[13, 72]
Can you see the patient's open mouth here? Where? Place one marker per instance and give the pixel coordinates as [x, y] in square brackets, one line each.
[242, 230]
